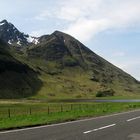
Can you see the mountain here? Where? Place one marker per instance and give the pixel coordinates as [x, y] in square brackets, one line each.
[59, 52]
[10, 34]
[17, 80]
[57, 66]
[65, 51]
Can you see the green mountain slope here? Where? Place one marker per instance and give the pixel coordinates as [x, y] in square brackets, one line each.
[58, 66]
[17, 80]
[71, 70]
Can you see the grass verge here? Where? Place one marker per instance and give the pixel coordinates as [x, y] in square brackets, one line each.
[25, 115]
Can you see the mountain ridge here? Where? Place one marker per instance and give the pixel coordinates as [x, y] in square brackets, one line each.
[10, 34]
[61, 61]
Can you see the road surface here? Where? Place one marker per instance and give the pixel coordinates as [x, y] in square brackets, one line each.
[123, 126]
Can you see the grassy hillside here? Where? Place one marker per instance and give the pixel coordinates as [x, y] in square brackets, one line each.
[70, 70]
[76, 83]
[61, 67]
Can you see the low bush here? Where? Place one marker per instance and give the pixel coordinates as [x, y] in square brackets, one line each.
[105, 93]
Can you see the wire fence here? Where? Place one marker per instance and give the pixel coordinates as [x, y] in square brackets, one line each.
[8, 112]
[18, 110]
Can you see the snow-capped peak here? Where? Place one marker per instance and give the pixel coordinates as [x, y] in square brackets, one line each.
[3, 22]
[10, 34]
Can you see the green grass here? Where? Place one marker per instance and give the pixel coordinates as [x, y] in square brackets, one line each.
[75, 83]
[21, 116]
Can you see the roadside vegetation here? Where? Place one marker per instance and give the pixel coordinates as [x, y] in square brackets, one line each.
[19, 115]
[105, 93]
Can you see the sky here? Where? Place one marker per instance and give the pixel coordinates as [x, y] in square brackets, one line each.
[110, 28]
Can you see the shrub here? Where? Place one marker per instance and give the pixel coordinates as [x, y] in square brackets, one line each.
[105, 93]
[51, 94]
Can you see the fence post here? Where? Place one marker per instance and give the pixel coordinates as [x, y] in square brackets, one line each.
[30, 110]
[9, 113]
[48, 110]
[61, 108]
[79, 106]
[71, 107]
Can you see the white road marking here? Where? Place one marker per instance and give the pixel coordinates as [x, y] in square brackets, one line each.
[104, 127]
[133, 119]
[65, 123]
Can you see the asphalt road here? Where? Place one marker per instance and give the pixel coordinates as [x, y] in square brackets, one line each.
[123, 126]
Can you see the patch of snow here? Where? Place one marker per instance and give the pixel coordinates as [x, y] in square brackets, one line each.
[64, 40]
[30, 39]
[36, 41]
[19, 43]
[9, 42]
[33, 40]
[2, 24]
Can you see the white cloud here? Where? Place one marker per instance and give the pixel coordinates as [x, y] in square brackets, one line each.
[69, 13]
[89, 17]
[84, 29]
[118, 54]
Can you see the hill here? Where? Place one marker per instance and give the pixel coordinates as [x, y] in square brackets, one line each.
[17, 80]
[76, 71]
[56, 66]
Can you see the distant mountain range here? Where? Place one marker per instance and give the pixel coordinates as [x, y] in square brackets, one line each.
[55, 66]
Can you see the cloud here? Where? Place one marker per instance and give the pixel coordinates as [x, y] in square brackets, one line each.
[84, 29]
[86, 18]
[119, 54]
